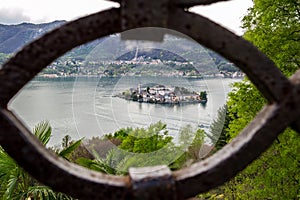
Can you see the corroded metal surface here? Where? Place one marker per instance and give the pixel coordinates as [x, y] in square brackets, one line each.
[141, 13]
[200, 177]
[187, 3]
[190, 3]
[149, 182]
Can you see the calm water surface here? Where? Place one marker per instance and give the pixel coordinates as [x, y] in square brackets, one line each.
[86, 106]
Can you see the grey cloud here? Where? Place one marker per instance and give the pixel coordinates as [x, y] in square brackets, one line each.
[13, 16]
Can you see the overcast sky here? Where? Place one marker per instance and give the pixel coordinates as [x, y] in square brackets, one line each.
[229, 14]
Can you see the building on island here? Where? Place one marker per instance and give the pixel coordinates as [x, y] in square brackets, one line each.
[164, 95]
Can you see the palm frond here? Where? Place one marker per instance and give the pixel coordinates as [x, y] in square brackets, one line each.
[17, 184]
[39, 192]
[43, 131]
[10, 187]
[9, 175]
[7, 164]
[68, 150]
[96, 165]
[44, 193]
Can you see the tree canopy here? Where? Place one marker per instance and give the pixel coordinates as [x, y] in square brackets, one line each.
[272, 26]
[141, 147]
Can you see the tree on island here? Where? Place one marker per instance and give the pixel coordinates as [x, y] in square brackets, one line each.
[203, 95]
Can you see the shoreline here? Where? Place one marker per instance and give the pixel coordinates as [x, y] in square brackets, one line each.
[134, 76]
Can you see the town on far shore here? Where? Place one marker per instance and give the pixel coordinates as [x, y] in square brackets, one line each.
[161, 94]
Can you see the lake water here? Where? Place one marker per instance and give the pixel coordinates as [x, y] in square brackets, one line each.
[86, 106]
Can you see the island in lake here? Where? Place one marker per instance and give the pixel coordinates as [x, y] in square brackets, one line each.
[161, 94]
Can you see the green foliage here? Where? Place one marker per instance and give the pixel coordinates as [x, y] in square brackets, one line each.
[219, 133]
[135, 150]
[67, 151]
[80, 152]
[193, 151]
[185, 135]
[203, 95]
[66, 141]
[15, 183]
[3, 58]
[9, 175]
[43, 193]
[142, 140]
[96, 165]
[266, 178]
[145, 160]
[245, 101]
[273, 26]
[121, 134]
[275, 175]
[189, 149]
[97, 146]
[43, 132]
[140, 147]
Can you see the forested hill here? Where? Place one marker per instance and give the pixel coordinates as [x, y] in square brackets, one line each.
[14, 37]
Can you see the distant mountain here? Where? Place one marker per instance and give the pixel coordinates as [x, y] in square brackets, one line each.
[13, 37]
[173, 48]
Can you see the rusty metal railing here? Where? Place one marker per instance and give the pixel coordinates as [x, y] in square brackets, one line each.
[282, 111]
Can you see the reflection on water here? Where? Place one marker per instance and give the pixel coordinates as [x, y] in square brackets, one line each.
[86, 107]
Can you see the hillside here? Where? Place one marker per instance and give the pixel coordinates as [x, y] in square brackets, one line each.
[13, 37]
[112, 48]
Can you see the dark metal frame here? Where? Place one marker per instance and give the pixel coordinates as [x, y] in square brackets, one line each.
[282, 110]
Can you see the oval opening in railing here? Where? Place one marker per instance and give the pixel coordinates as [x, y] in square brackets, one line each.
[130, 100]
[155, 97]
